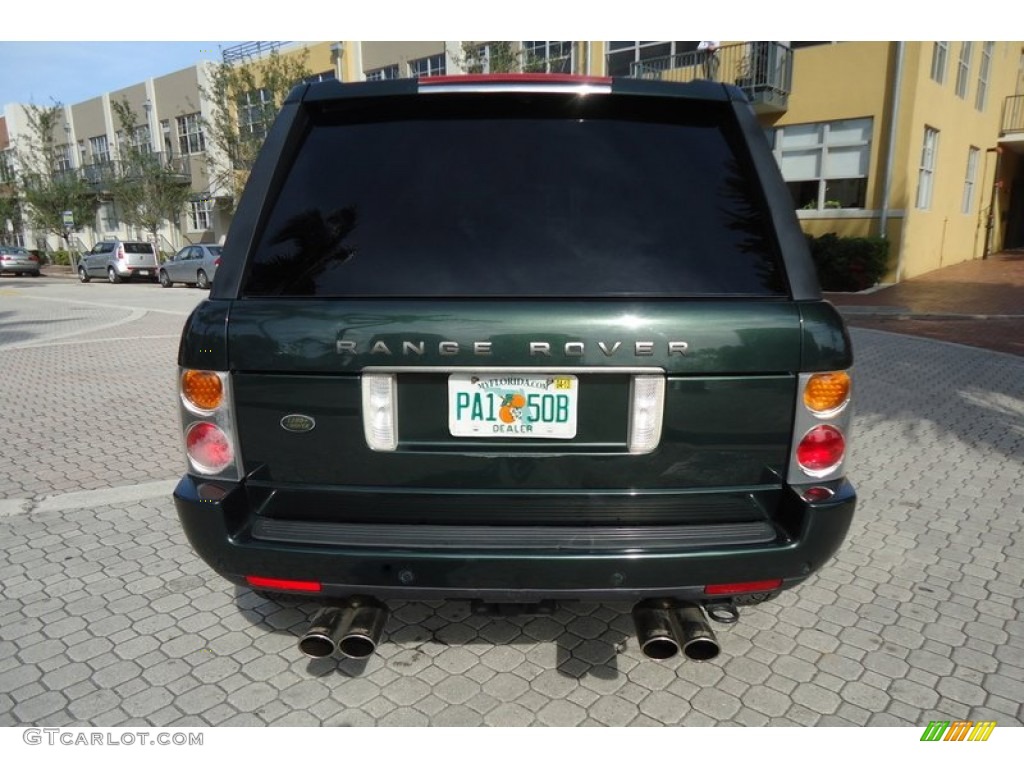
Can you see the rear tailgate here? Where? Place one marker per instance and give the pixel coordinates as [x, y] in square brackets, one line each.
[139, 256]
[728, 407]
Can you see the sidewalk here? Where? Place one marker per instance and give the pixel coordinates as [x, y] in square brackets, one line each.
[979, 303]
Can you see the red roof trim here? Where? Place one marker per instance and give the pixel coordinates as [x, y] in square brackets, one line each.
[524, 77]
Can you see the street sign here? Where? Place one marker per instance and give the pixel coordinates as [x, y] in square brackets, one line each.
[69, 220]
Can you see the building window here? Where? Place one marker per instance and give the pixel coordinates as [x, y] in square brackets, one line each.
[190, 134]
[62, 158]
[200, 214]
[963, 69]
[141, 140]
[969, 179]
[940, 53]
[255, 113]
[984, 69]
[321, 77]
[825, 165]
[926, 174]
[623, 54]
[6, 166]
[430, 66]
[100, 149]
[548, 56]
[390, 72]
[107, 218]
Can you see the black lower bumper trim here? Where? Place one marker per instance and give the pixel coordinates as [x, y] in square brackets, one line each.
[492, 537]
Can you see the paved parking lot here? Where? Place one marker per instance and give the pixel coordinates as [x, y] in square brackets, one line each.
[107, 618]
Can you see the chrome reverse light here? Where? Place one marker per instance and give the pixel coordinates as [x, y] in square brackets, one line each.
[380, 411]
[646, 413]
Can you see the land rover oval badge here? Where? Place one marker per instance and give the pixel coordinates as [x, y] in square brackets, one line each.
[297, 422]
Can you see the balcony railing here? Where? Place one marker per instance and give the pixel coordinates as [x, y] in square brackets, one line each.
[253, 49]
[101, 174]
[1013, 115]
[762, 70]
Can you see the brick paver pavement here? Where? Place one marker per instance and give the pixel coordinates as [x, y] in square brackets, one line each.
[978, 303]
[108, 618]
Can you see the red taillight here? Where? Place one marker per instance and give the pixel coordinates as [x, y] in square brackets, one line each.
[120, 251]
[208, 447]
[821, 449]
[216, 262]
[33, 257]
[261, 582]
[743, 586]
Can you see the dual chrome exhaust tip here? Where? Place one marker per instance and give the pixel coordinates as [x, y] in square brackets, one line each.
[665, 627]
[353, 630]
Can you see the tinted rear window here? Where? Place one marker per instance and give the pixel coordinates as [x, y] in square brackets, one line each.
[138, 248]
[539, 195]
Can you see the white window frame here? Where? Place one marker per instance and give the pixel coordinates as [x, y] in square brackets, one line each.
[390, 72]
[191, 140]
[429, 66]
[62, 160]
[142, 139]
[200, 215]
[823, 147]
[940, 61]
[541, 52]
[99, 147]
[926, 171]
[252, 112]
[7, 168]
[963, 69]
[639, 47]
[984, 71]
[970, 179]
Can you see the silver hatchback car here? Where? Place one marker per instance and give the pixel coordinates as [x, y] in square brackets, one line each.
[119, 261]
[193, 264]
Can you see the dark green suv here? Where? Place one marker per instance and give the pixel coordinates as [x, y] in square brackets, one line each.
[516, 339]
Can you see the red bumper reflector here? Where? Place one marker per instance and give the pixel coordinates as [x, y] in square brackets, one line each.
[743, 586]
[290, 584]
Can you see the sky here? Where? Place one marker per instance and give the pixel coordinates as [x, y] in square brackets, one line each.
[70, 72]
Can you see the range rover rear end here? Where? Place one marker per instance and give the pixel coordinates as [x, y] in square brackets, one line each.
[516, 340]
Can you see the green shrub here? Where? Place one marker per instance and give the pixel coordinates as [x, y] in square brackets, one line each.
[849, 263]
[60, 258]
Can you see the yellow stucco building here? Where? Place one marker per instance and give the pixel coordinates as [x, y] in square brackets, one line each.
[919, 141]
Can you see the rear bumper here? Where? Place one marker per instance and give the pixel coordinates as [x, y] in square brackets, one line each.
[223, 528]
[12, 267]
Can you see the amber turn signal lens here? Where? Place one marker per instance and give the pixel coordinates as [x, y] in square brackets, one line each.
[203, 389]
[827, 391]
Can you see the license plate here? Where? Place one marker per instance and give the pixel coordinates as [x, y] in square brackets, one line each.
[512, 405]
[144, 272]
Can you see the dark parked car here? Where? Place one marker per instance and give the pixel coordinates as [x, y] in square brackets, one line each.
[193, 265]
[15, 260]
[516, 340]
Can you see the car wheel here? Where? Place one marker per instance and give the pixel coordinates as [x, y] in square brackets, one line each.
[112, 275]
[83, 275]
[165, 279]
[202, 281]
